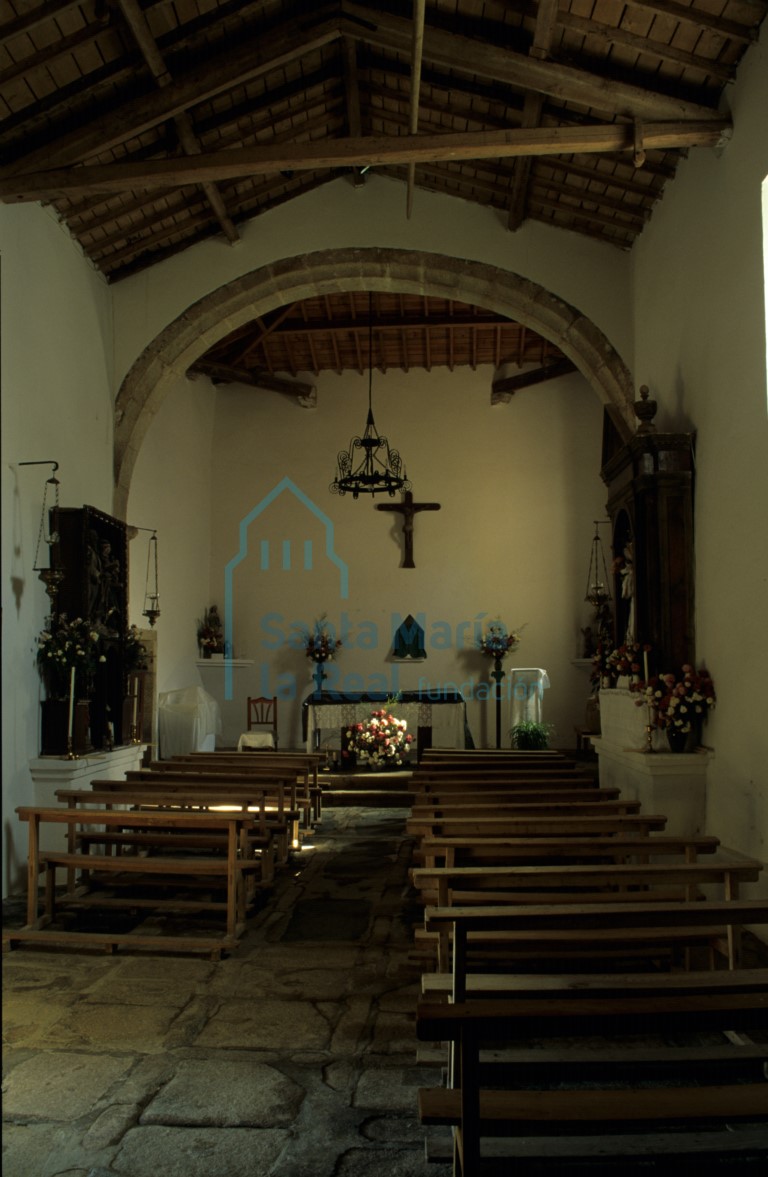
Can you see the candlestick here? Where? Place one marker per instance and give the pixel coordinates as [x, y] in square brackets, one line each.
[71, 718]
[645, 664]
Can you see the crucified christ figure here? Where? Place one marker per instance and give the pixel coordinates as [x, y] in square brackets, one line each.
[407, 508]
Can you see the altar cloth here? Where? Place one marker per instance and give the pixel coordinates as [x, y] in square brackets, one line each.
[527, 685]
[447, 724]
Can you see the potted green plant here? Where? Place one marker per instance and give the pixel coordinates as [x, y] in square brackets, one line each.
[530, 736]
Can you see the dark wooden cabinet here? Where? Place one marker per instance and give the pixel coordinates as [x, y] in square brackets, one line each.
[92, 551]
[650, 505]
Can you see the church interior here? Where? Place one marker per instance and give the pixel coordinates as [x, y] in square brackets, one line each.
[403, 367]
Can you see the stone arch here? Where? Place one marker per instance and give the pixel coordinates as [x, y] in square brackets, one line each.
[204, 322]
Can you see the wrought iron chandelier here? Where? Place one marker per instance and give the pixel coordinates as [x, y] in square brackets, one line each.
[369, 465]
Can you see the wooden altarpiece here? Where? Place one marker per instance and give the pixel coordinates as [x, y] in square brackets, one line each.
[650, 505]
[92, 550]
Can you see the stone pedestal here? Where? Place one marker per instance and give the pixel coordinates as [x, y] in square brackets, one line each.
[664, 782]
[50, 773]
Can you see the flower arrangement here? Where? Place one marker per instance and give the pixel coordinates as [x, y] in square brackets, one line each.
[678, 701]
[320, 644]
[626, 660]
[134, 651]
[381, 741]
[65, 646]
[210, 632]
[498, 641]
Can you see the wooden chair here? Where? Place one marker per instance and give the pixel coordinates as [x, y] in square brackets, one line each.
[262, 723]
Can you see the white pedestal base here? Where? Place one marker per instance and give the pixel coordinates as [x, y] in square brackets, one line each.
[673, 784]
[50, 773]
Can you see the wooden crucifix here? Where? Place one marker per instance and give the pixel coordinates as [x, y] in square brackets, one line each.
[407, 508]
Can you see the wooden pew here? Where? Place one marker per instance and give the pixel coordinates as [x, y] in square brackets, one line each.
[278, 807]
[284, 782]
[422, 818]
[471, 782]
[613, 1118]
[268, 838]
[592, 927]
[259, 761]
[468, 850]
[480, 755]
[493, 793]
[577, 826]
[227, 871]
[578, 883]
[307, 763]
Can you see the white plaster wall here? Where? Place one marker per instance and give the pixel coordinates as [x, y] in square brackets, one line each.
[700, 344]
[587, 274]
[56, 404]
[518, 485]
[172, 492]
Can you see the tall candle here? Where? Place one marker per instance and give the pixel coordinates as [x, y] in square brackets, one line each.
[70, 722]
[135, 708]
[645, 664]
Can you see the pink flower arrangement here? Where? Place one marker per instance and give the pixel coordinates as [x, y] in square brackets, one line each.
[381, 741]
[679, 701]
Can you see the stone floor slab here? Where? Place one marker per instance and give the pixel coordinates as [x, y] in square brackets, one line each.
[225, 1093]
[266, 1025]
[60, 1086]
[198, 1152]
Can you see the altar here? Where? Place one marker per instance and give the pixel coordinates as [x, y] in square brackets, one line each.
[437, 719]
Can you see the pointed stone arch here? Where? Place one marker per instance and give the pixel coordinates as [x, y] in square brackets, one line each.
[203, 323]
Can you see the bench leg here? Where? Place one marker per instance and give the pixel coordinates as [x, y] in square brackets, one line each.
[50, 890]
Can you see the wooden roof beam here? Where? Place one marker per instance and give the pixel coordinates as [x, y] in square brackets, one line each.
[352, 92]
[543, 37]
[502, 391]
[142, 34]
[566, 83]
[346, 153]
[240, 63]
[417, 51]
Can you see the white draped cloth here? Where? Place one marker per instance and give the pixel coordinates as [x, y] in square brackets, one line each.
[446, 720]
[189, 721]
[527, 685]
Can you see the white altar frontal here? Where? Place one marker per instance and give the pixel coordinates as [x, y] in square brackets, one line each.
[444, 719]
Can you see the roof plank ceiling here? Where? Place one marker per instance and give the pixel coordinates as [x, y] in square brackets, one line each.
[150, 125]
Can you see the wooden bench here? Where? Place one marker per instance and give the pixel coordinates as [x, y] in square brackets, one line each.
[541, 825]
[472, 756]
[422, 818]
[447, 886]
[308, 763]
[467, 850]
[275, 812]
[504, 1119]
[227, 871]
[267, 838]
[585, 929]
[437, 796]
[282, 782]
[529, 776]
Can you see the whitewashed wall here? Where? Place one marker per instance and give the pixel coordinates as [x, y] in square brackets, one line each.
[56, 404]
[700, 344]
[591, 276]
[518, 486]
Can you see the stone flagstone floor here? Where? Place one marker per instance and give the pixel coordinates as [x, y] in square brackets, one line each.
[294, 1057]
